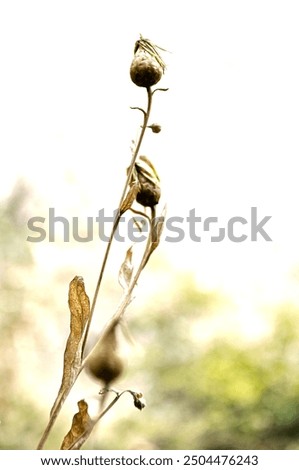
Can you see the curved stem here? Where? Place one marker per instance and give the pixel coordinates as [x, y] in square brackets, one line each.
[160, 89]
[126, 299]
[118, 215]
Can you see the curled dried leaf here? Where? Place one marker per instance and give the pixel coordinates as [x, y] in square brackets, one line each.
[79, 306]
[130, 196]
[156, 232]
[157, 229]
[126, 270]
[80, 430]
[145, 167]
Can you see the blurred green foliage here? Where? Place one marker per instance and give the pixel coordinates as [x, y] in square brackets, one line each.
[225, 396]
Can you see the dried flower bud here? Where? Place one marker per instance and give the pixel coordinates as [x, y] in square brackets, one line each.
[104, 363]
[149, 195]
[150, 191]
[147, 66]
[139, 401]
[156, 128]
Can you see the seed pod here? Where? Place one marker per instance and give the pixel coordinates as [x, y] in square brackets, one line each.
[149, 194]
[149, 182]
[156, 128]
[139, 401]
[147, 66]
[104, 363]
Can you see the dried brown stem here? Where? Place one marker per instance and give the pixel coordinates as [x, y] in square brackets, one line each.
[146, 116]
[127, 294]
[126, 298]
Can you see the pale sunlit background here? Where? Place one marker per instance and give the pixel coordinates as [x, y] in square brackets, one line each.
[229, 142]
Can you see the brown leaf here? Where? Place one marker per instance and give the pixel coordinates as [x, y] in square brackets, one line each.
[80, 312]
[158, 225]
[156, 232]
[80, 430]
[130, 196]
[126, 270]
[147, 170]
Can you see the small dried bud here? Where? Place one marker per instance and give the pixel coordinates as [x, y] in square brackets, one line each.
[139, 401]
[156, 128]
[104, 363]
[150, 191]
[147, 66]
[140, 404]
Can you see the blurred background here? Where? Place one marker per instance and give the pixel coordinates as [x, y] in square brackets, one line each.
[213, 340]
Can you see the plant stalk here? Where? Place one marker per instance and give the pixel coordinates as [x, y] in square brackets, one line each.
[146, 116]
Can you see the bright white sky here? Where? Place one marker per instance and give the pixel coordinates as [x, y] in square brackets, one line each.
[230, 123]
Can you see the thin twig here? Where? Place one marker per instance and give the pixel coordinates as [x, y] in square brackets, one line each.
[126, 298]
[146, 116]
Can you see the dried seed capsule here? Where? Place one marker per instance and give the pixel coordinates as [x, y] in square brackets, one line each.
[149, 182]
[149, 194]
[156, 128]
[139, 401]
[104, 363]
[147, 66]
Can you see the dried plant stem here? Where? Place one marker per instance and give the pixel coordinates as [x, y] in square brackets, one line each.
[127, 295]
[47, 431]
[125, 301]
[146, 116]
[126, 298]
[142, 186]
